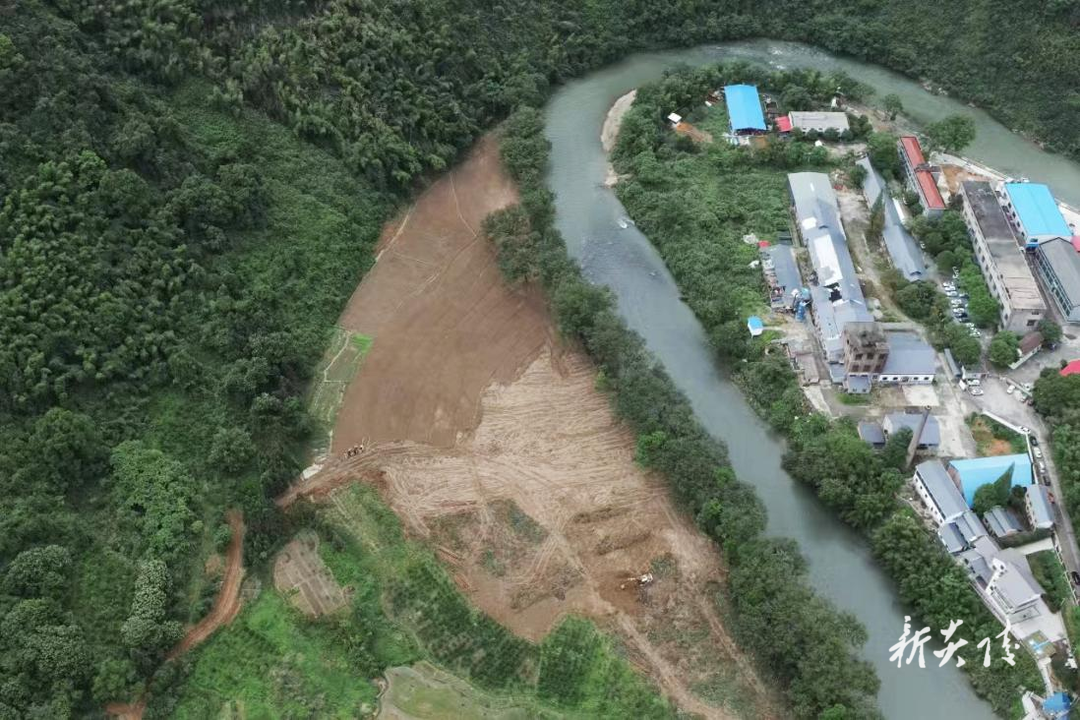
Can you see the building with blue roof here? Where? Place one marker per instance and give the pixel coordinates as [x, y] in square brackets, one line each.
[1033, 212]
[1057, 705]
[744, 109]
[755, 325]
[976, 472]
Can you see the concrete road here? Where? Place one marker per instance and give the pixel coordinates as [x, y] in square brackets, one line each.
[1010, 407]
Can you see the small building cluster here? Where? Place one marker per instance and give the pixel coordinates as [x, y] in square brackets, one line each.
[1001, 575]
[858, 350]
[921, 176]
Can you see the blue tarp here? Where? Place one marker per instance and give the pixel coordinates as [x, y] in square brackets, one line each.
[755, 325]
[1037, 209]
[744, 108]
[976, 472]
[1057, 703]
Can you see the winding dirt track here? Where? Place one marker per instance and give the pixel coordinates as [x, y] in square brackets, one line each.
[227, 602]
[467, 401]
[226, 607]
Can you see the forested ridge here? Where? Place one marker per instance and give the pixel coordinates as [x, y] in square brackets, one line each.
[189, 189]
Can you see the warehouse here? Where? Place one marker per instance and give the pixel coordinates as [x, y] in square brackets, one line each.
[1001, 260]
[903, 250]
[744, 109]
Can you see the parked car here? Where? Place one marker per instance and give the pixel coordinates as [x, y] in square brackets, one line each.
[1037, 452]
[1009, 390]
[1075, 577]
[959, 314]
[1024, 430]
[1027, 386]
[1043, 470]
[963, 296]
[1033, 440]
[976, 391]
[975, 382]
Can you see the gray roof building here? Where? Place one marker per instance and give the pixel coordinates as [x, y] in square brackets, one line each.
[820, 121]
[903, 250]
[785, 267]
[977, 560]
[1038, 506]
[1059, 264]
[931, 433]
[871, 433]
[1000, 522]
[942, 490]
[909, 356]
[950, 537]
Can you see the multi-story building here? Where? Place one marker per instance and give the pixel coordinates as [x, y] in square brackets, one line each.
[1058, 263]
[1001, 260]
[920, 176]
[1032, 212]
[866, 349]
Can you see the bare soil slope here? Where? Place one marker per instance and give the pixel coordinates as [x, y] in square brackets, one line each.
[445, 326]
[490, 440]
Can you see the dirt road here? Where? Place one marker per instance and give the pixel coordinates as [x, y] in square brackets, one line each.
[227, 602]
[490, 440]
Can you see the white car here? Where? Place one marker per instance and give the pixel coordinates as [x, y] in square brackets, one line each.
[1037, 452]
[976, 391]
[951, 293]
[974, 382]
[1009, 390]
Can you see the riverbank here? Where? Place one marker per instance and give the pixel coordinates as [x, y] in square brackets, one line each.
[609, 133]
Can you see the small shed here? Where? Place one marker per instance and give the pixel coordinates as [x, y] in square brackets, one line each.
[1071, 369]
[1000, 522]
[755, 325]
[674, 119]
[783, 124]
[871, 433]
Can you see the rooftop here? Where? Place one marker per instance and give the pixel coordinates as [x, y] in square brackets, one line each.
[942, 489]
[929, 190]
[912, 150]
[1000, 522]
[744, 107]
[1063, 257]
[931, 434]
[785, 267]
[1012, 585]
[1037, 210]
[909, 355]
[783, 123]
[904, 251]
[871, 432]
[976, 472]
[814, 120]
[1071, 369]
[1042, 515]
[1007, 256]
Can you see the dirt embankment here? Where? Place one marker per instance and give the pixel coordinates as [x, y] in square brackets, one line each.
[488, 437]
[610, 132]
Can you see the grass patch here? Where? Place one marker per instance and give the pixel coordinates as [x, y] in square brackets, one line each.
[1050, 574]
[854, 398]
[993, 438]
[271, 662]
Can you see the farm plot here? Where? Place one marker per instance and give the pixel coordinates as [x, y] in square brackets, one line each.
[302, 576]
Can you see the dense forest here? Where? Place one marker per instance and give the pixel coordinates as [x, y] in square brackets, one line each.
[189, 189]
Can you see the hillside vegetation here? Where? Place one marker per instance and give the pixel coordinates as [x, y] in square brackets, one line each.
[189, 191]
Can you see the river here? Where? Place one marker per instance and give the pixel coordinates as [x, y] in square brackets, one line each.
[841, 567]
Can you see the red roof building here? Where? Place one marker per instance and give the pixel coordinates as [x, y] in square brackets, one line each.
[928, 190]
[783, 124]
[912, 150]
[1071, 369]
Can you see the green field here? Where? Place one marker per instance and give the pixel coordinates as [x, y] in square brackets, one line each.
[336, 370]
[271, 662]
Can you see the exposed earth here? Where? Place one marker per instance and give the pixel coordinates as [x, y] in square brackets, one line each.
[489, 438]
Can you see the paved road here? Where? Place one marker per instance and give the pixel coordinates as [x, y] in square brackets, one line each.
[998, 401]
